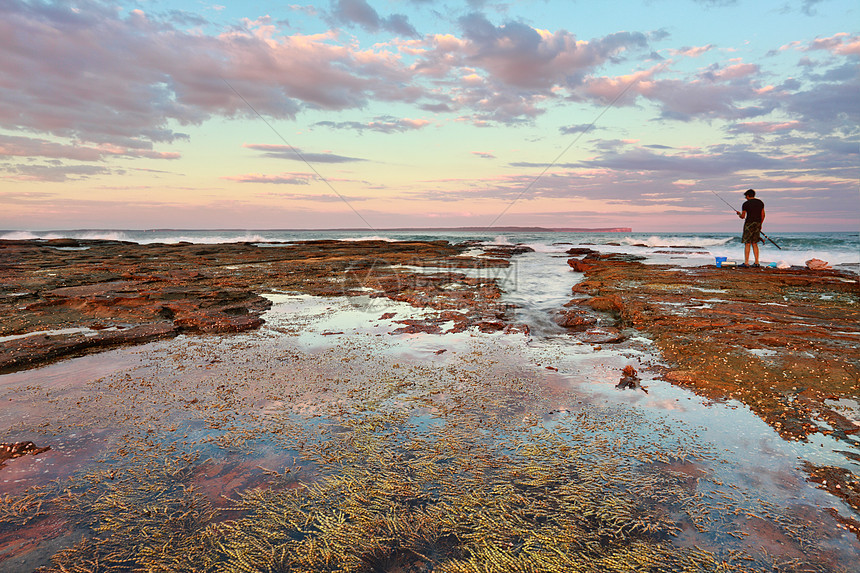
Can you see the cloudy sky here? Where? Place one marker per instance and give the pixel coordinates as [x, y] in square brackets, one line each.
[428, 113]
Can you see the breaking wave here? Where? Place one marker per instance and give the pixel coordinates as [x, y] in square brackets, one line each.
[141, 237]
[368, 238]
[674, 241]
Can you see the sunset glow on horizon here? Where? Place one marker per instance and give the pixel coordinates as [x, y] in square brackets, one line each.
[411, 113]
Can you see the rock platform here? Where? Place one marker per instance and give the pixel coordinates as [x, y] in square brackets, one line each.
[66, 297]
[785, 343]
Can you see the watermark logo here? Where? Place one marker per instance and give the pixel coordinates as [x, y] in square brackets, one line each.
[371, 284]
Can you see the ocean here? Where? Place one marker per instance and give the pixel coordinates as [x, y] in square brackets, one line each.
[840, 249]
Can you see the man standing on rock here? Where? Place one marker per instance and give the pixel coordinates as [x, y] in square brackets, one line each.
[752, 211]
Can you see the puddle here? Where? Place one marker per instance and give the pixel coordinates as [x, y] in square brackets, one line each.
[762, 352]
[57, 332]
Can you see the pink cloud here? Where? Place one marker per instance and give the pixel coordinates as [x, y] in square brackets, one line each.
[93, 75]
[16, 146]
[519, 55]
[381, 124]
[736, 71]
[716, 93]
[850, 48]
[767, 126]
[52, 173]
[608, 88]
[280, 179]
[692, 52]
[109, 149]
[506, 73]
[12, 146]
[316, 198]
[414, 123]
[116, 83]
[97, 76]
[361, 13]
[841, 44]
[294, 154]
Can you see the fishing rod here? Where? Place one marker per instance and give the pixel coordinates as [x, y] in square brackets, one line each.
[738, 212]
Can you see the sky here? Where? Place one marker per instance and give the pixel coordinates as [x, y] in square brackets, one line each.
[189, 114]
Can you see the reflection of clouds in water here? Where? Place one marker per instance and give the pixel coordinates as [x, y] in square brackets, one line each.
[60, 331]
[592, 373]
[291, 367]
[668, 405]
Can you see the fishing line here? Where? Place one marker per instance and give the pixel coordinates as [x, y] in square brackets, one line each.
[723, 200]
[565, 150]
[299, 155]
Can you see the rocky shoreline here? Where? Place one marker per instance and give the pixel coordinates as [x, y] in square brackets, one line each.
[65, 297]
[785, 343]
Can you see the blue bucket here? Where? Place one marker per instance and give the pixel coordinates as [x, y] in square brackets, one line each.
[720, 261]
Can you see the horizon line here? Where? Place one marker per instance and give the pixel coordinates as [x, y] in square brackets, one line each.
[403, 229]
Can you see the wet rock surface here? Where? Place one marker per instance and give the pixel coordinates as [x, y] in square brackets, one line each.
[186, 455]
[630, 380]
[66, 297]
[576, 320]
[786, 343]
[18, 449]
[842, 483]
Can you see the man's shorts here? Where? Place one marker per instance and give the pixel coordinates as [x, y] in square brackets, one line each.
[751, 232]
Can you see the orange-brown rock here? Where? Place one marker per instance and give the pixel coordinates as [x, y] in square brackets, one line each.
[612, 304]
[10, 451]
[630, 380]
[575, 319]
[760, 336]
[109, 293]
[786, 343]
[579, 266]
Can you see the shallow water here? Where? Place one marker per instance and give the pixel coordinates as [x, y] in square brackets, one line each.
[234, 405]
